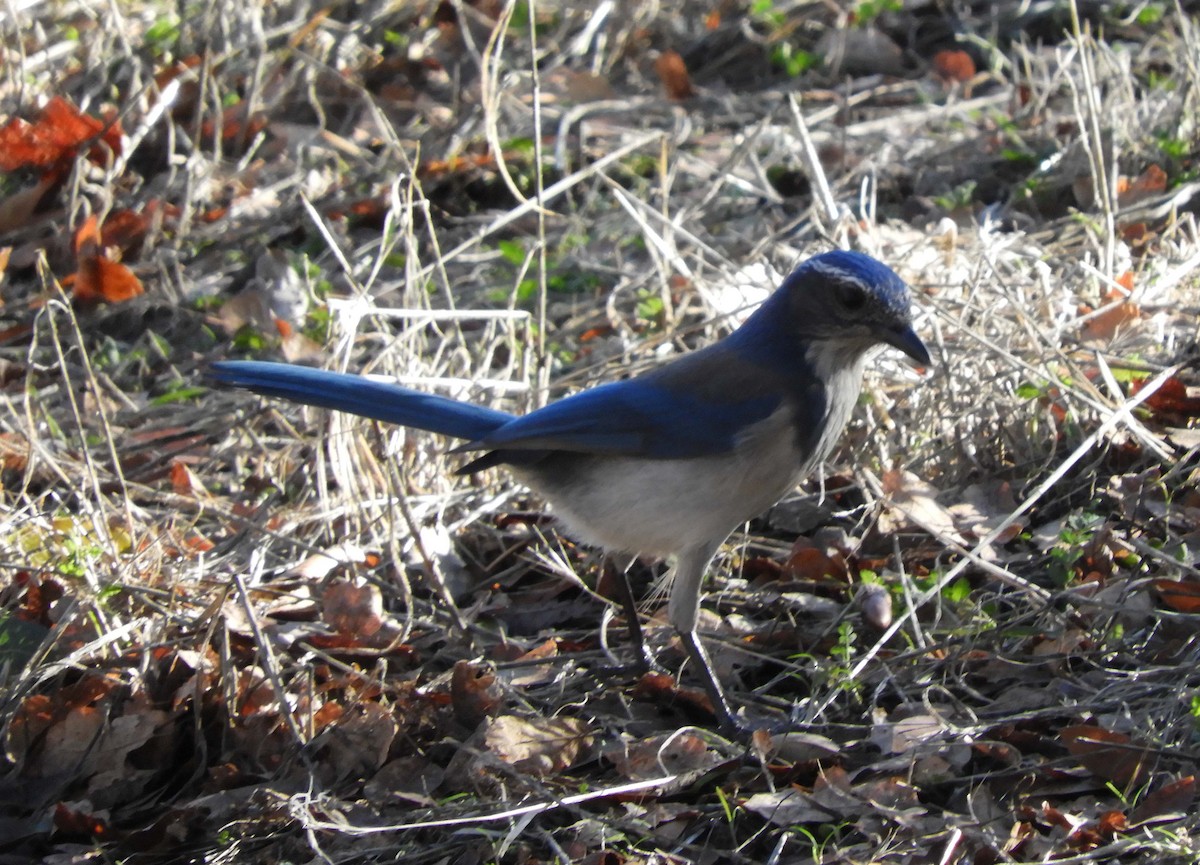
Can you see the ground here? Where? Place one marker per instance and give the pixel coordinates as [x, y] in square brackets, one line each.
[235, 630]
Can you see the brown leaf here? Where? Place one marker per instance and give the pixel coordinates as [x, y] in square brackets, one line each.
[74, 820]
[1169, 802]
[98, 278]
[320, 565]
[183, 482]
[954, 65]
[983, 507]
[353, 608]
[810, 563]
[1174, 397]
[1117, 313]
[538, 746]
[1151, 182]
[795, 746]
[673, 73]
[475, 693]
[1181, 596]
[673, 754]
[536, 674]
[14, 451]
[358, 743]
[410, 779]
[1108, 755]
[790, 808]
[662, 688]
[125, 230]
[914, 501]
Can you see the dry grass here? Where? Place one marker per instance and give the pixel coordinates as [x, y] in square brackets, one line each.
[417, 198]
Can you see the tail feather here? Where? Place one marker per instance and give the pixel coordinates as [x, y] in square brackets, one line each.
[361, 396]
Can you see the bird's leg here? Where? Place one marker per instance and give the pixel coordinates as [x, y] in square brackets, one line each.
[684, 611]
[708, 678]
[621, 563]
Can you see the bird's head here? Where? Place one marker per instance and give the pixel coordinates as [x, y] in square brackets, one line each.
[851, 300]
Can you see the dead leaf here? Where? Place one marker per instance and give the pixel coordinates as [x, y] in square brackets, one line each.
[984, 506]
[184, 481]
[79, 819]
[1118, 312]
[1108, 755]
[353, 607]
[954, 65]
[1173, 398]
[320, 565]
[535, 674]
[797, 747]
[1150, 183]
[789, 808]
[812, 563]
[68, 743]
[539, 746]
[1181, 596]
[97, 278]
[902, 735]
[53, 139]
[358, 743]
[579, 86]
[673, 73]
[475, 693]
[1169, 802]
[671, 754]
[16, 210]
[412, 779]
[912, 500]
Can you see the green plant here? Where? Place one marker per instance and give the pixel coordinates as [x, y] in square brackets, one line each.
[869, 10]
[792, 60]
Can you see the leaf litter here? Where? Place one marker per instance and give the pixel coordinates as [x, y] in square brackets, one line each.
[236, 629]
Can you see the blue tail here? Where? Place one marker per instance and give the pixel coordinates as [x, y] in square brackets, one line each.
[361, 396]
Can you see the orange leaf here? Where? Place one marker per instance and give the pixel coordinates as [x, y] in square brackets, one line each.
[124, 229]
[181, 479]
[1171, 398]
[955, 65]
[238, 126]
[1104, 326]
[98, 278]
[1183, 597]
[1106, 754]
[809, 563]
[1151, 182]
[198, 543]
[674, 75]
[53, 140]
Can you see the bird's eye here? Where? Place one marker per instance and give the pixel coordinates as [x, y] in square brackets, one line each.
[851, 297]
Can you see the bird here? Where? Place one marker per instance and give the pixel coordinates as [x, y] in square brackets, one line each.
[670, 462]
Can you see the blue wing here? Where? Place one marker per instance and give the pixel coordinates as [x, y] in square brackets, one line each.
[695, 407]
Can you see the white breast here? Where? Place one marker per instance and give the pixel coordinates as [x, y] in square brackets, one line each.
[840, 366]
[659, 507]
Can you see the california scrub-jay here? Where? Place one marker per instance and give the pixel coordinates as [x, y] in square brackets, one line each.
[670, 462]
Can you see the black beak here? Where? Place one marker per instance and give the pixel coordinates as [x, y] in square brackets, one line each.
[905, 339]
